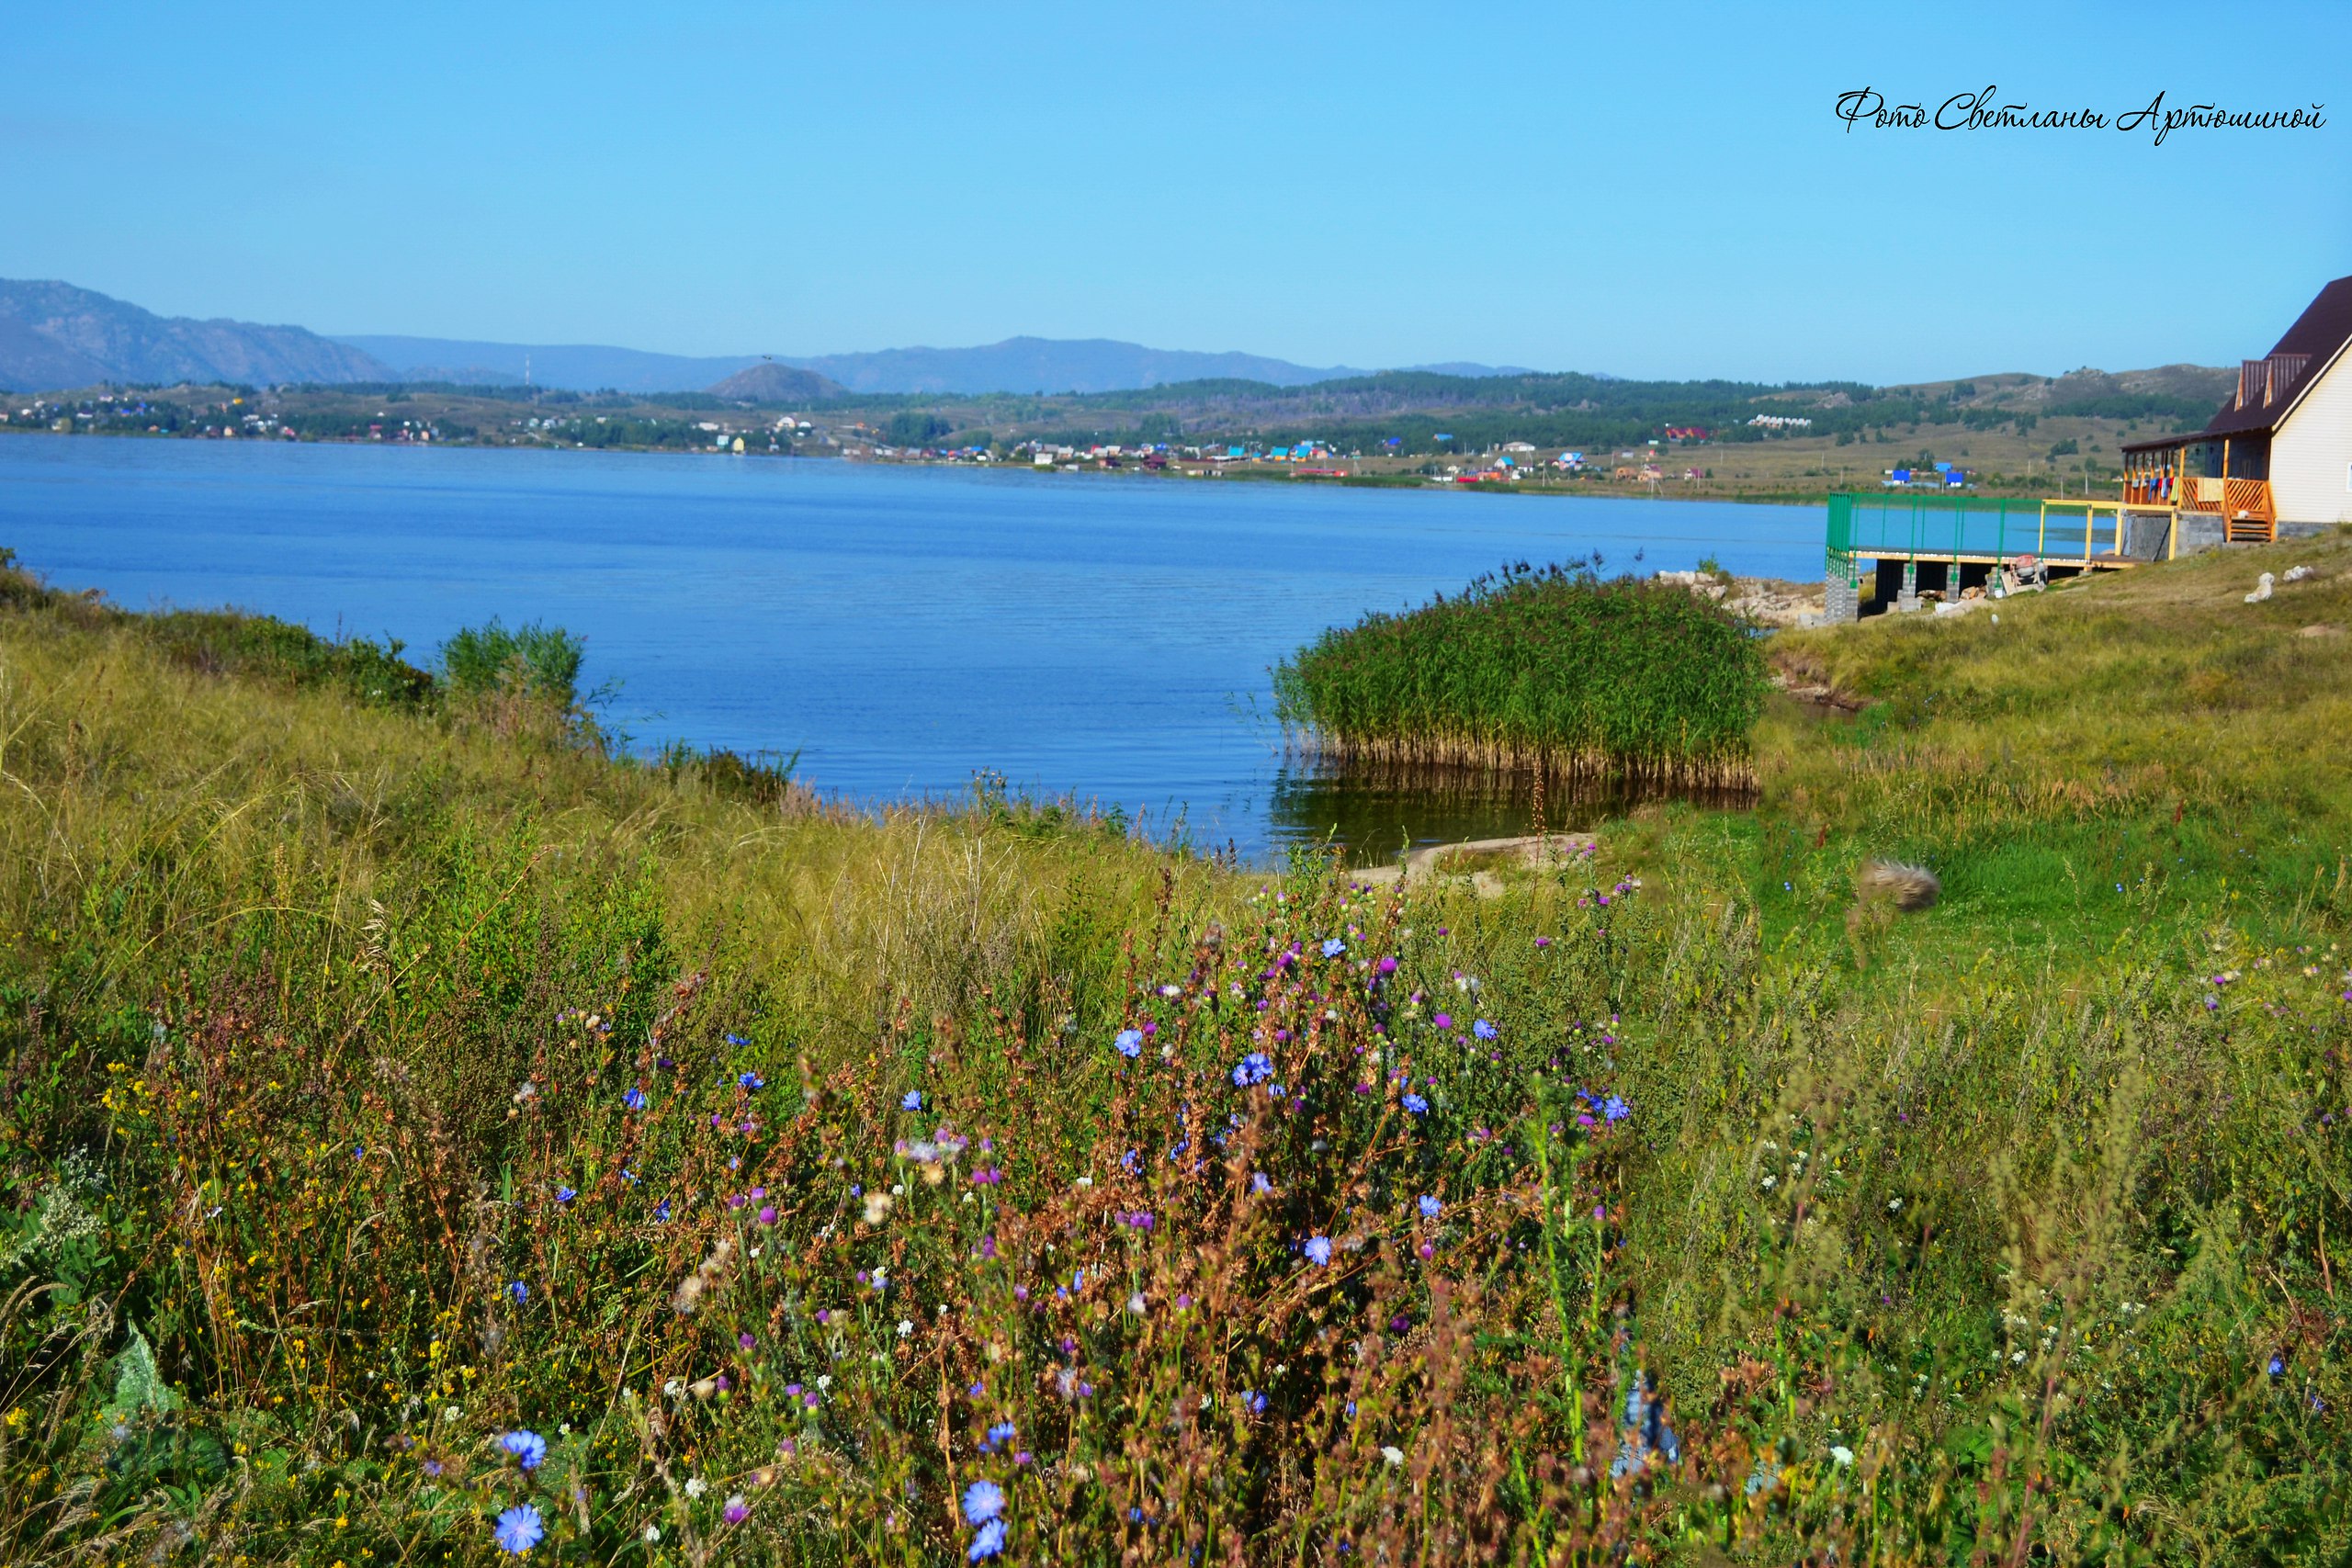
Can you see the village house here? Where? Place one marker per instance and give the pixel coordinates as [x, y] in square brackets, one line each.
[2273, 459]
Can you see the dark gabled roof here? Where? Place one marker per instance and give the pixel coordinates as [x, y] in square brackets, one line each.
[2318, 335]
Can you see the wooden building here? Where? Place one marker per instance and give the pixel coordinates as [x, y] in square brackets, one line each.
[2278, 455]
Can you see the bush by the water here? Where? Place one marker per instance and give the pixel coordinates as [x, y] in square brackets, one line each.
[536, 660]
[1555, 668]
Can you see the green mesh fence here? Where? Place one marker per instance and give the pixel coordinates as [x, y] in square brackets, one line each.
[1941, 528]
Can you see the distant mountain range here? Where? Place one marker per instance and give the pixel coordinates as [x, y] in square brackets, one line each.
[1016, 364]
[54, 336]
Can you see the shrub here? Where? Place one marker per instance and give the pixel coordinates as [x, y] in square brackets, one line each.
[1553, 669]
[533, 659]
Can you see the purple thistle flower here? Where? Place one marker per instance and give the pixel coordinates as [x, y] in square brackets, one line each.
[737, 1510]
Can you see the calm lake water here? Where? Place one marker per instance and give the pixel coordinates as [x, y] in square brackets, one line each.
[1105, 638]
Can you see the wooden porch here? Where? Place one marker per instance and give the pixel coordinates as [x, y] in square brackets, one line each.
[2161, 477]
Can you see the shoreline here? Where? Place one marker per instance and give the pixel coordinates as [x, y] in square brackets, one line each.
[1354, 481]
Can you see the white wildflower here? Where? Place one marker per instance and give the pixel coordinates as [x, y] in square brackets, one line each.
[1842, 1454]
[696, 1486]
[906, 1327]
[1394, 1456]
[652, 1533]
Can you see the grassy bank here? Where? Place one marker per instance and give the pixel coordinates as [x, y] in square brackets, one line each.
[387, 1080]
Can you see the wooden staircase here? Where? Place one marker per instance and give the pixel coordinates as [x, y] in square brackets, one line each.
[2249, 517]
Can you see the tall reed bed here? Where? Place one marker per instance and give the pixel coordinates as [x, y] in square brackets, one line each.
[1554, 670]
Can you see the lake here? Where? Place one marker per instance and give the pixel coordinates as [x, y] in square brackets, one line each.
[1103, 637]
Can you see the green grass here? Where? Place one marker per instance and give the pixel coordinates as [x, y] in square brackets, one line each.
[317, 1006]
[1552, 669]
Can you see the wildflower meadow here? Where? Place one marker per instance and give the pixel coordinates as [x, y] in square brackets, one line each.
[431, 1138]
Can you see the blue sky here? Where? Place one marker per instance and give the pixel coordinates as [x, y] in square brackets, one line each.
[1646, 190]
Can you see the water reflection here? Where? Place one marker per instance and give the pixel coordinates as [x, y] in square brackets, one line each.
[1375, 815]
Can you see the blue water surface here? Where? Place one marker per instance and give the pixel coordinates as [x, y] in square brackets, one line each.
[1102, 637]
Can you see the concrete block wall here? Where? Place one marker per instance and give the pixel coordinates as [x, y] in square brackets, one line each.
[1840, 600]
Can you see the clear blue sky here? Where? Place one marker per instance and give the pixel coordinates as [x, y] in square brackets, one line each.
[1648, 190]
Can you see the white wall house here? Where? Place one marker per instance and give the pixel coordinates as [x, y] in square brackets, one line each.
[2311, 449]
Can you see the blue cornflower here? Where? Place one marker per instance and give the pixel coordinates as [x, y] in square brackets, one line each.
[983, 1500]
[1129, 1041]
[1430, 1206]
[1417, 1105]
[1256, 1068]
[737, 1040]
[1318, 1250]
[634, 1099]
[999, 1435]
[2277, 1365]
[1616, 1109]
[911, 1100]
[662, 1210]
[1260, 1182]
[1484, 1030]
[519, 1290]
[987, 1542]
[358, 1151]
[751, 1080]
[1333, 947]
[530, 1449]
[1253, 1402]
[566, 1194]
[519, 1529]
